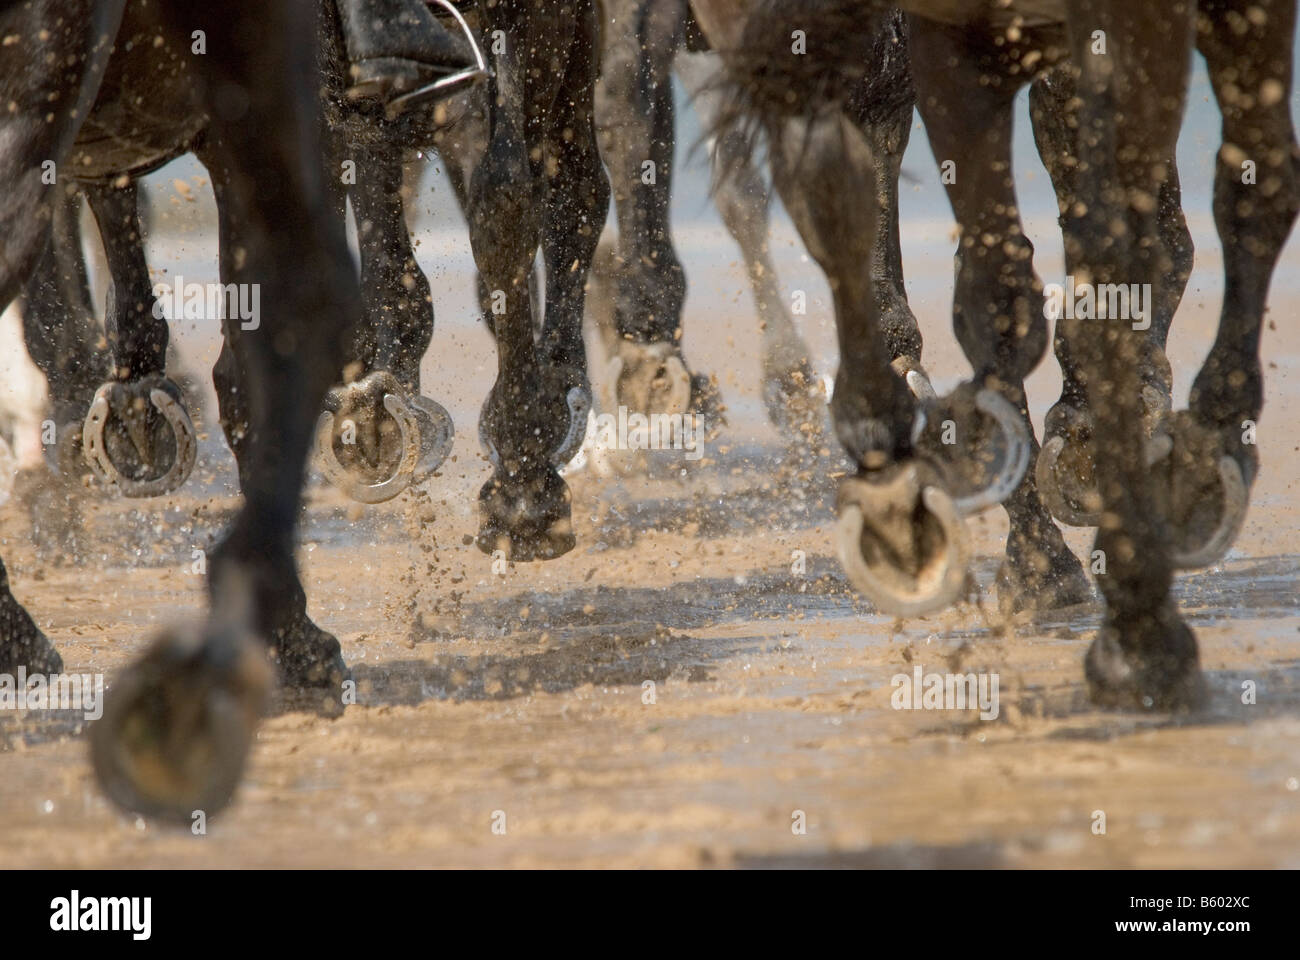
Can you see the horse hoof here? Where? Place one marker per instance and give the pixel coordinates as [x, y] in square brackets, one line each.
[526, 521]
[564, 417]
[1156, 668]
[178, 724]
[1065, 475]
[980, 438]
[379, 452]
[901, 540]
[309, 668]
[651, 378]
[1209, 492]
[1234, 502]
[138, 437]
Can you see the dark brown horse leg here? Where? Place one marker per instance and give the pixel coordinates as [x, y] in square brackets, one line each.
[138, 434]
[1064, 470]
[61, 335]
[900, 536]
[574, 207]
[1248, 50]
[1132, 105]
[379, 434]
[524, 506]
[75, 39]
[812, 163]
[637, 124]
[178, 724]
[59, 325]
[276, 384]
[883, 107]
[966, 95]
[395, 292]
[136, 336]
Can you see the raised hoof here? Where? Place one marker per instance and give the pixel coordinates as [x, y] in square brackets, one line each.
[562, 421]
[138, 437]
[982, 441]
[1065, 474]
[901, 540]
[310, 670]
[1167, 679]
[526, 521]
[653, 378]
[1206, 486]
[373, 442]
[22, 644]
[178, 724]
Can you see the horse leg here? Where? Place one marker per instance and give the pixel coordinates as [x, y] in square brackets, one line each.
[228, 380]
[378, 434]
[574, 206]
[267, 379]
[872, 406]
[395, 292]
[634, 106]
[460, 145]
[1064, 470]
[59, 326]
[42, 227]
[1211, 458]
[75, 40]
[48, 319]
[138, 434]
[524, 506]
[178, 725]
[900, 537]
[137, 336]
[882, 106]
[61, 335]
[998, 318]
[1145, 655]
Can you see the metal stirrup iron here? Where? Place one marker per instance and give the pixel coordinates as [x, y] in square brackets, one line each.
[452, 82]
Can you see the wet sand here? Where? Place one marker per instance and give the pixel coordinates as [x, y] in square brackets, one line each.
[483, 693]
[523, 693]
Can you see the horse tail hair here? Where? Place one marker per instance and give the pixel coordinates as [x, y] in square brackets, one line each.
[802, 60]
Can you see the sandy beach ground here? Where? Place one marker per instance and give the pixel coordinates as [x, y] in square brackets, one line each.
[502, 716]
